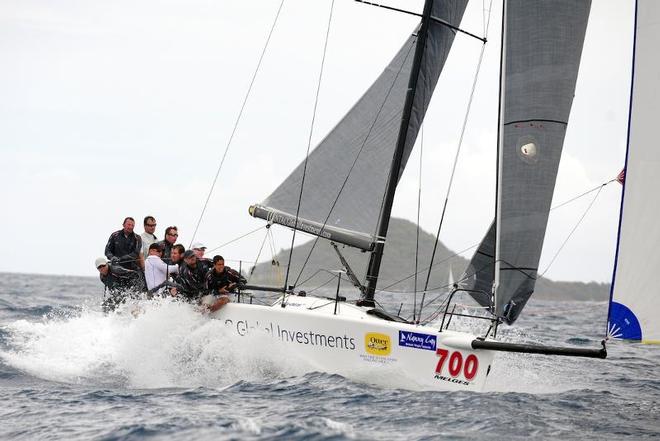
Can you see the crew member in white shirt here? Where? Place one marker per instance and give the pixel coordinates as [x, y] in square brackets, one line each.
[156, 271]
[148, 237]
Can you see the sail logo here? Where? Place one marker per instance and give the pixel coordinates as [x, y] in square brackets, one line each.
[417, 340]
[377, 344]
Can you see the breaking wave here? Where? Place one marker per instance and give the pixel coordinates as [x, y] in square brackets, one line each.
[150, 344]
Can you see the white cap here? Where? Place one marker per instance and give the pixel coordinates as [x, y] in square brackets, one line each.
[198, 246]
[100, 261]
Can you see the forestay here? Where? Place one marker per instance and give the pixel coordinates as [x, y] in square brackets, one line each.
[542, 48]
[635, 300]
[347, 172]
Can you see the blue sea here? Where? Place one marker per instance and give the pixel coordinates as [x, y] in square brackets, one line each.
[67, 371]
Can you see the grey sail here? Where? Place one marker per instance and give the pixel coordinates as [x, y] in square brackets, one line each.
[347, 172]
[480, 273]
[542, 48]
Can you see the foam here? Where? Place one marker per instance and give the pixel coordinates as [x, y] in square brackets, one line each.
[168, 344]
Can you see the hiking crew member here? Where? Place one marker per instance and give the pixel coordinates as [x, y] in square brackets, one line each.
[222, 279]
[119, 283]
[191, 278]
[124, 246]
[156, 271]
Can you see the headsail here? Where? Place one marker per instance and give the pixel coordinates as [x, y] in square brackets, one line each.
[348, 170]
[635, 301]
[542, 48]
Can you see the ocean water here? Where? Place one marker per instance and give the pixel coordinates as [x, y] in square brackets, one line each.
[67, 371]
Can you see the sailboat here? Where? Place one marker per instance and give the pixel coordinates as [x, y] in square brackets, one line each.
[344, 190]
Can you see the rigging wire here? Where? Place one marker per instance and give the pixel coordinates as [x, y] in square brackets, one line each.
[598, 187]
[256, 261]
[386, 288]
[419, 208]
[350, 170]
[312, 276]
[334, 276]
[238, 119]
[237, 239]
[275, 262]
[458, 151]
[309, 143]
[467, 276]
[574, 228]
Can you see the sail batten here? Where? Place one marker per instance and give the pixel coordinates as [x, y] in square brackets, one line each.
[542, 46]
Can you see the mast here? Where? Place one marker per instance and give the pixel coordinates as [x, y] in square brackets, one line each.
[500, 142]
[386, 210]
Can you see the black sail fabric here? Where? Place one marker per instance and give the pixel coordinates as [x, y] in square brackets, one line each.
[347, 172]
[543, 45]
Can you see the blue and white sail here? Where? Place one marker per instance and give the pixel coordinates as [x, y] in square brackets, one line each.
[542, 49]
[634, 311]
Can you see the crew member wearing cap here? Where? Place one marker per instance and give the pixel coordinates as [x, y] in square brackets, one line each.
[119, 283]
[199, 249]
[156, 271]
[191, 277]
[124, 246]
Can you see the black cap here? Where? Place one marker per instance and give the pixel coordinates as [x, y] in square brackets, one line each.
[156, 246]
[188, 253]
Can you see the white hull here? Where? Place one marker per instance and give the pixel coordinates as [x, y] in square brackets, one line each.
[360, 346]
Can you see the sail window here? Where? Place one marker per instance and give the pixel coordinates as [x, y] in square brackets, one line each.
[528, 149]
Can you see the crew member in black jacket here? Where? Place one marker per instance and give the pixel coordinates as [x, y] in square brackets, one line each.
[222, 279]
[120, 283]
[191, 278]
[124, 246]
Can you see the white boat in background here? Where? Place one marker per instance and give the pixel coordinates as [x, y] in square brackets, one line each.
[344, 189]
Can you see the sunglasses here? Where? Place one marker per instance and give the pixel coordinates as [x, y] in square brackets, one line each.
[173, 235]
[149, 225]
[100, 266]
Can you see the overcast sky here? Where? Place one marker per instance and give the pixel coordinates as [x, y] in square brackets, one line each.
[124, 108]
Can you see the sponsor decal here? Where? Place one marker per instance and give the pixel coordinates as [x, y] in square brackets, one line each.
[295, 336]
[378, 344]
[461, 371]
[417, 340]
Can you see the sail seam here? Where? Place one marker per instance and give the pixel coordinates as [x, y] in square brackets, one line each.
[552, 121]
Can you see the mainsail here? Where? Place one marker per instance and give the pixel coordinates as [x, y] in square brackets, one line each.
[347, 172]
[542, 48]
[634, 310]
